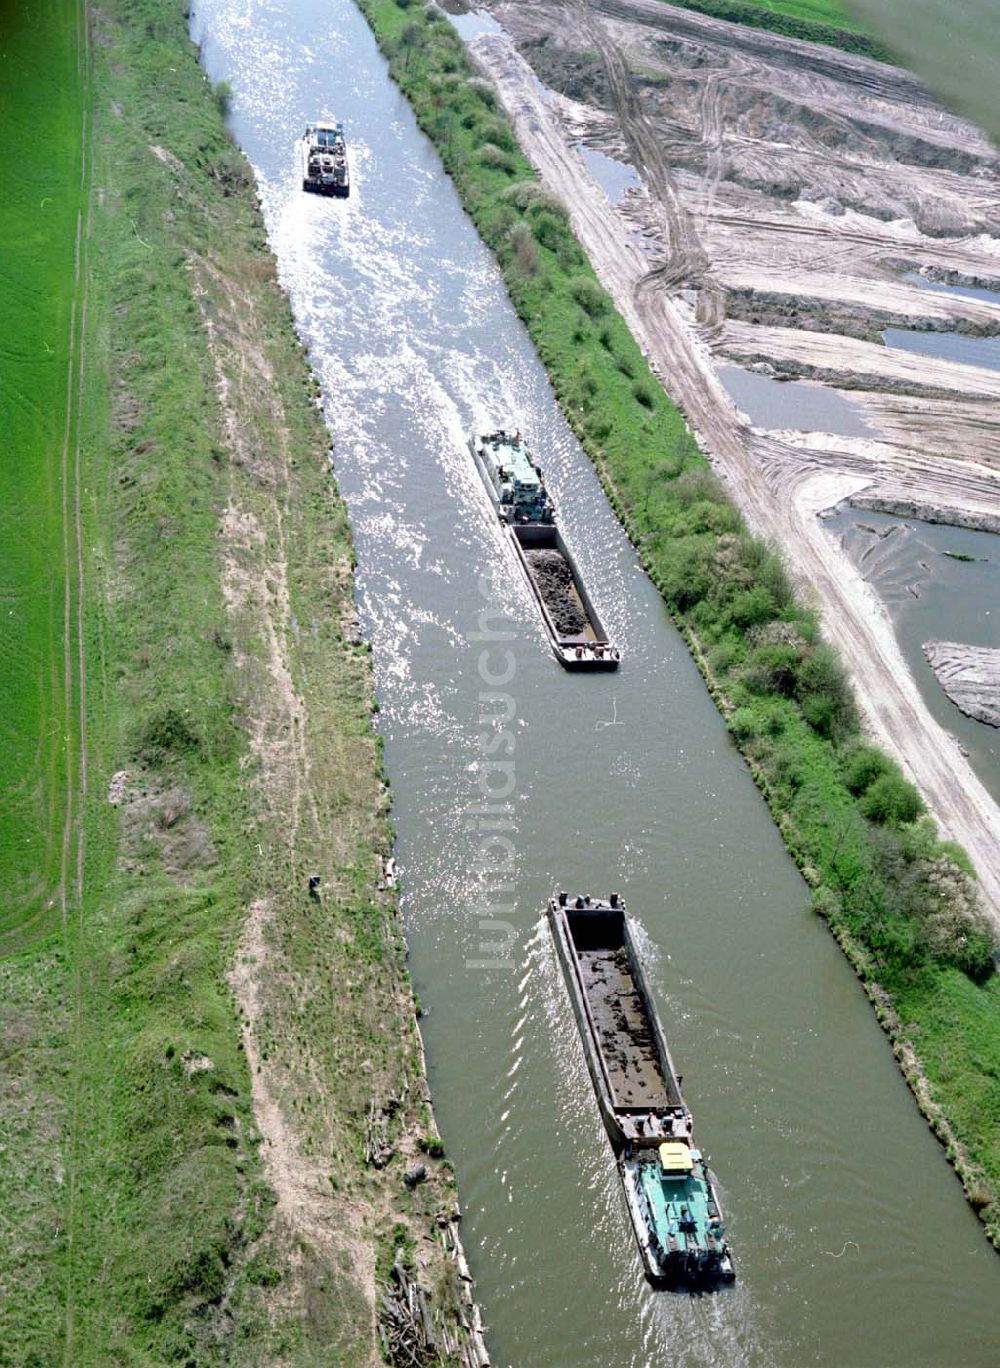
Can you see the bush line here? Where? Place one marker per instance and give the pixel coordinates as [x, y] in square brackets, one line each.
[904, 899]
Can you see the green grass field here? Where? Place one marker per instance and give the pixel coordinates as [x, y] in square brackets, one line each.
[43, 100]
[815, 11]
[41, 127]
[130, 1183]
[954, 48]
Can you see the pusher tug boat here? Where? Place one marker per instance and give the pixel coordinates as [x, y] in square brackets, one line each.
[514, 483]
[671, 1200]
[323, 160]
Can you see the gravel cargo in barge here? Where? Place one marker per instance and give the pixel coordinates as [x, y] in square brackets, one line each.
[672, 1202]
[515, 486]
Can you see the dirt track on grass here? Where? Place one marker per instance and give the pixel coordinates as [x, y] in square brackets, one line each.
[706, 223]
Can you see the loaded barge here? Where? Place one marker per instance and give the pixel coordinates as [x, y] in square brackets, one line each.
[515, 486]
[323, 160]
[671, 1200]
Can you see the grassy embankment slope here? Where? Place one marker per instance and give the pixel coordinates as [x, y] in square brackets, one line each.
[40, 725]
[814, 21]
[898, 899]
[145, 1220]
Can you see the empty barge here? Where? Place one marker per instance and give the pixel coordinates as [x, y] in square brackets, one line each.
[323, 160]
[515, 486]
[671, 1200]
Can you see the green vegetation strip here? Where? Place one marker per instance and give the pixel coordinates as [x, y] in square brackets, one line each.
[901, 901]
[42, 197]
[137, 1212]
[815, 11]
[814, 21]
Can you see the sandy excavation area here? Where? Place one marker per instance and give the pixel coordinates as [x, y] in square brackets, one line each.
[785, 193]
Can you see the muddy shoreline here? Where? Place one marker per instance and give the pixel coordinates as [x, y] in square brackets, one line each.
[970, 676]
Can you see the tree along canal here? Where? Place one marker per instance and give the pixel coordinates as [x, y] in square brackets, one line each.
[853, 1243]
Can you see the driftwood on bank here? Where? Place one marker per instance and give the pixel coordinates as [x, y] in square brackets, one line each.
[406, 1327]
[388, 876]
[469, 1347]
[458, 1330]
[414, 1334]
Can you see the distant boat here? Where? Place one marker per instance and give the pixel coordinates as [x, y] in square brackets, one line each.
[515, 485]
[323, 160]
[673, 1205]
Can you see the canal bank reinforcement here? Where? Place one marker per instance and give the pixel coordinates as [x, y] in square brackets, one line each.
[904, 905]
[213, 1083]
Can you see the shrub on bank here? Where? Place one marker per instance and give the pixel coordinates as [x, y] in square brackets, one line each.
[588, 294]
[493, 156]
[862, 766]
[891, 801]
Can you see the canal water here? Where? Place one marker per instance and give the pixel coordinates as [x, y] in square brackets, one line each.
[853, 1244]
